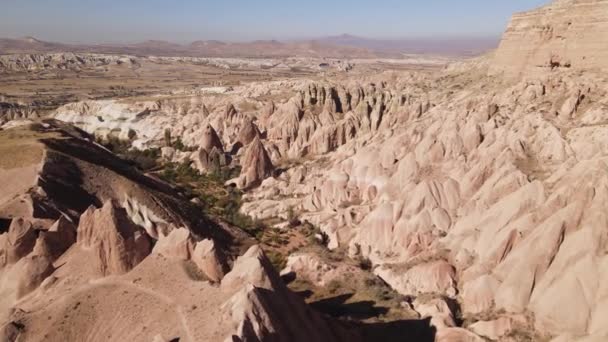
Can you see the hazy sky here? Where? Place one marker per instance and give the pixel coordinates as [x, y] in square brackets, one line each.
[188, 20]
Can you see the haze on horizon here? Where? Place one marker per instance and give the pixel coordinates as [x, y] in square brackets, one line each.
[114, 21]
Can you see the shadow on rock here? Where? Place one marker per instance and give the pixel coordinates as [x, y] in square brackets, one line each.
[418, 330]
[337, 307]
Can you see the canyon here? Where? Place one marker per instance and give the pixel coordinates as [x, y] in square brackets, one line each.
[307, 198]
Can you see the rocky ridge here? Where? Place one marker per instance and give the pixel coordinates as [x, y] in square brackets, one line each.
[93, 250]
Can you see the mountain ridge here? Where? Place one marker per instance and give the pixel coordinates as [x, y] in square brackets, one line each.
[342, 46]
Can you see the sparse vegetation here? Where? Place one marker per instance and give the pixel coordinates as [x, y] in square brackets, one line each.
[193, 271]
[357, 295]
[167, 136]
[523, 332]
[314, 234]
[144, 160]
[176, 143]
[365, 264]
[216, 199]
[488, 315]
[277, 259]
[334, 286]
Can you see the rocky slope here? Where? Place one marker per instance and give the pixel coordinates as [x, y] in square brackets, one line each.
[564, 34]
[91, 249]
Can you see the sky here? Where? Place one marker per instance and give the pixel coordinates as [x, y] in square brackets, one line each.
[110, 21]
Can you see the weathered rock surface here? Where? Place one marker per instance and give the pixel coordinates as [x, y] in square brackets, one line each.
[256, 165]
[570, 34]
[255, 270]
[498, 328]
[59, 61]
[210, 260]
[211, 140]
[457, 335]
[310, 267]
[434, 277]
[118, 244]
[15, 111]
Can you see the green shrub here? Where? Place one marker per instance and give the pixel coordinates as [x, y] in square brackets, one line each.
[277, 260]
[365, 264]
[215, 198]
[210, 190]
[144, 160]
[334, 286]
[168, 137]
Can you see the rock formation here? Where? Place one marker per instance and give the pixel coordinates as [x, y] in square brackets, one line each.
[210, 156]
[256, 165]
[249, 131]
[119, 245]
[478, 192]
[14, 111]
[103, 280]
[565, 34]
[210, 140]
[59, 61]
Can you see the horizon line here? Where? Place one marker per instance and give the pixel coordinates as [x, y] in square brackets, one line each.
[417, 38]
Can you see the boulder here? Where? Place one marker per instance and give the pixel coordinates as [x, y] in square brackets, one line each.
[438, 310]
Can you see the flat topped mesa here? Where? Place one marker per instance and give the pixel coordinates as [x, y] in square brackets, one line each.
[566, 34]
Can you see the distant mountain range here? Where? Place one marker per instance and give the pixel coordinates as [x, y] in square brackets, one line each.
[459, 46]
[344, 46]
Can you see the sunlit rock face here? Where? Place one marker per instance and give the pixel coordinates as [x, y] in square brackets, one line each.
[568, 34]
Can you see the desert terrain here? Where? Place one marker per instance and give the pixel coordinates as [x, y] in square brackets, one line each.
[316, 192]
[37, 82]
